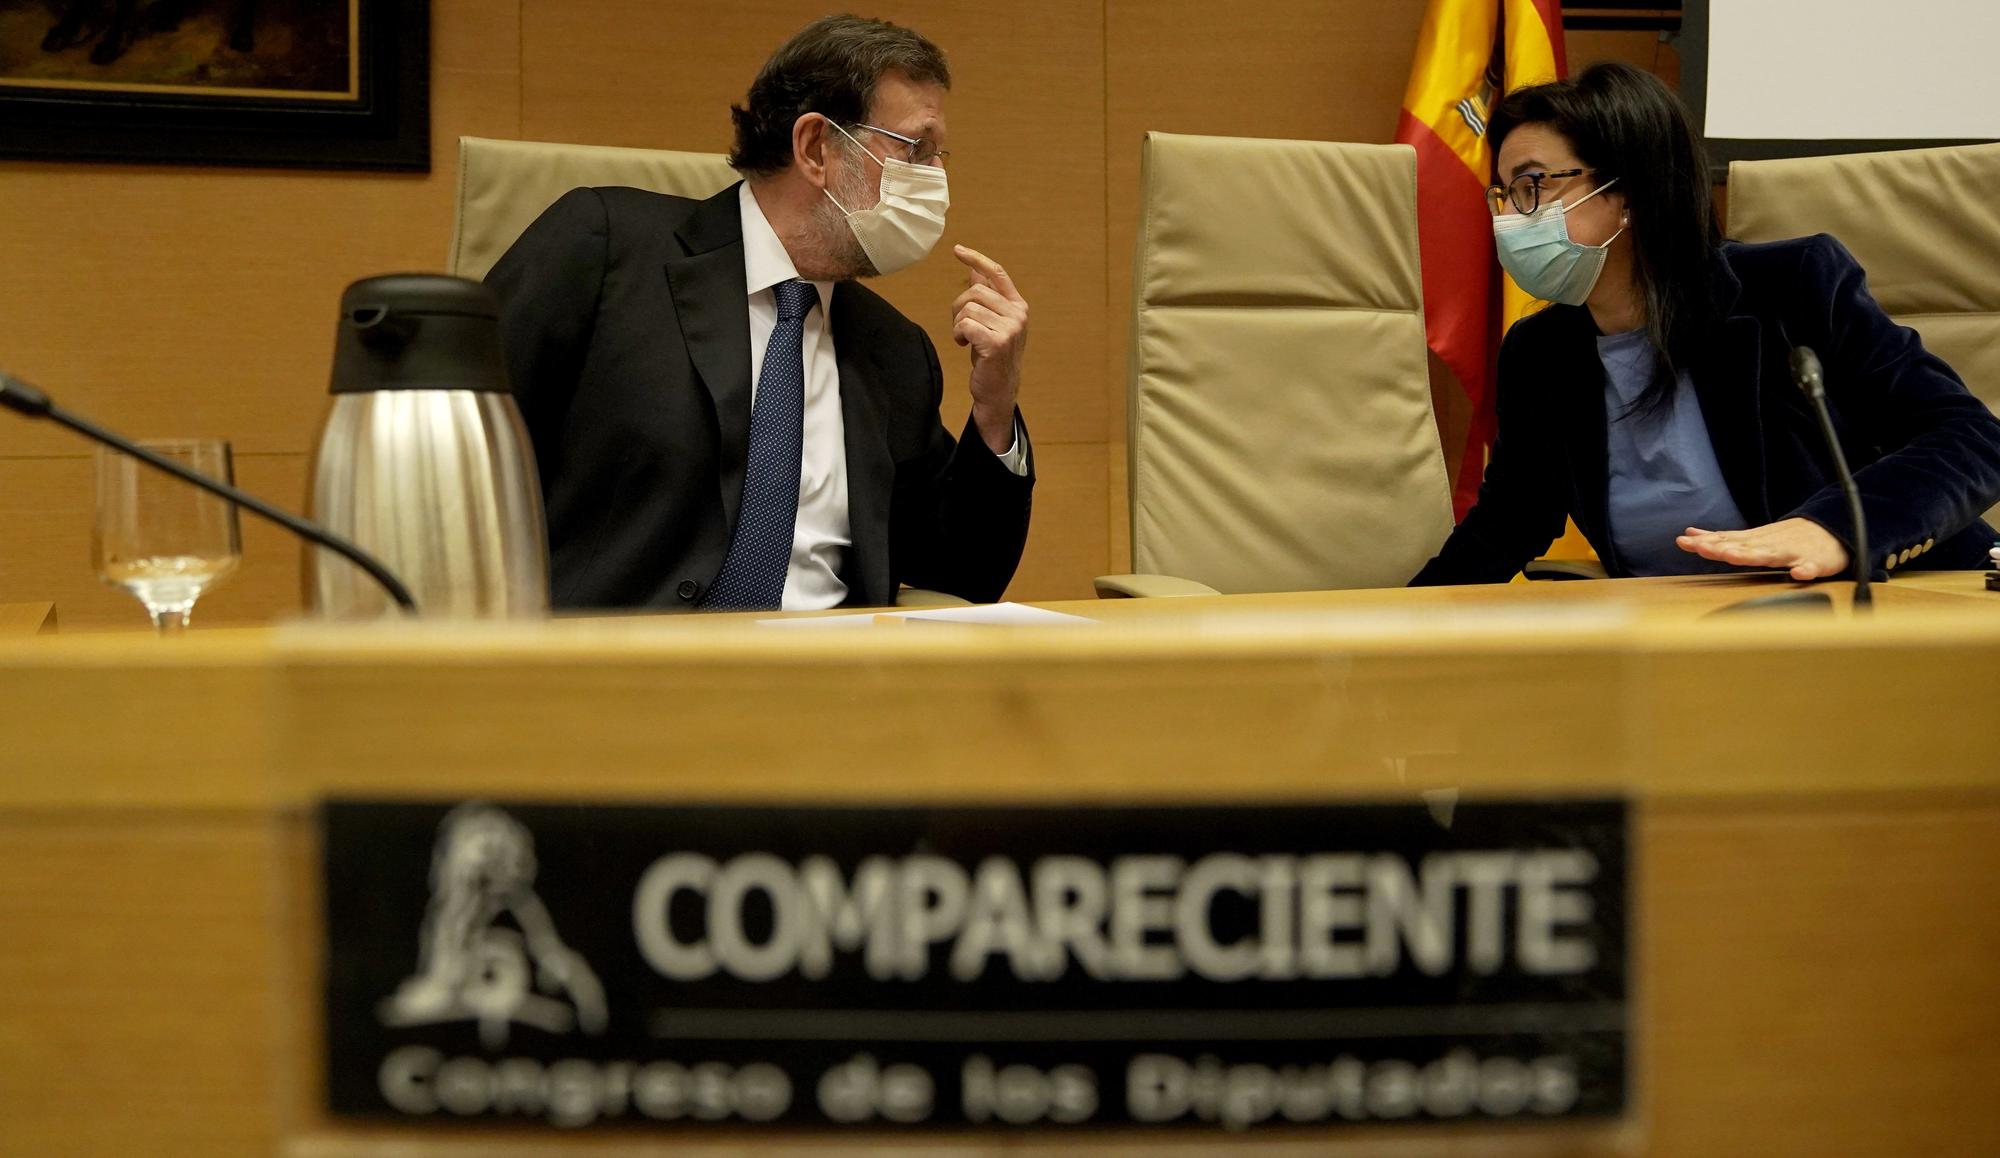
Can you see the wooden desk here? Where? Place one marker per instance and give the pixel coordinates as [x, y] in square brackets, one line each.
[1817, 823]
[27, 618]
[1659, 600]
[1664, 599]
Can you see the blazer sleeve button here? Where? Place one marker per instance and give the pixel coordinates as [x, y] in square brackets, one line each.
[688, 589]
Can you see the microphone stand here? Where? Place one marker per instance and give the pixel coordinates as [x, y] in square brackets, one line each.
[1810, 379]
[24, 399]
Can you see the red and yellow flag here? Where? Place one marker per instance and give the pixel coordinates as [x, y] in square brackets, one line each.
[1469, 53]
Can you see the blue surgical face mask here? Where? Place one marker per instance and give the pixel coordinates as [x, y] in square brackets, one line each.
[1536, 251]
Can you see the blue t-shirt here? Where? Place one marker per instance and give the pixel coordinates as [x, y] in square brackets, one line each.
[1664, 474]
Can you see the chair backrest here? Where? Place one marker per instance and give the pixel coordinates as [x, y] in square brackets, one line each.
[504, 185]
[1924, 223]
[1280, 412]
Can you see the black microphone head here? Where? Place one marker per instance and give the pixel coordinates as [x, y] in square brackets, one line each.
[1806, 372]
[18, 396]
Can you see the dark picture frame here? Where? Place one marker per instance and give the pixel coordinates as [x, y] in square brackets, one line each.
[382, 121]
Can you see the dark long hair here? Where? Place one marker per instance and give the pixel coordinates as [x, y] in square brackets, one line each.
[1625, 124]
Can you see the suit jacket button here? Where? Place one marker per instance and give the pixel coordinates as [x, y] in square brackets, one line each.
[688, 589]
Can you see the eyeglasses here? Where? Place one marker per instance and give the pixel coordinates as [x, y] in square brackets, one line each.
[1525, 192]
[918, 150]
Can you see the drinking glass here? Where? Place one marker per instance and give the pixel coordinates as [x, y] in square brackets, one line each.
[158, 537]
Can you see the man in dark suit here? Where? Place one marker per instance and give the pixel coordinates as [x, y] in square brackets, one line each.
[724, 419]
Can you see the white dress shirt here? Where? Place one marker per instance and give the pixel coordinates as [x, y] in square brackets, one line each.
[821, 532]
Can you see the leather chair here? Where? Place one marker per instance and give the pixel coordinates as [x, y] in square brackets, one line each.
[1280, 425]
[504, 185]
[1924, 223]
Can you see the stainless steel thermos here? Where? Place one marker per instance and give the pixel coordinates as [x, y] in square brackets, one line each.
[423, 459]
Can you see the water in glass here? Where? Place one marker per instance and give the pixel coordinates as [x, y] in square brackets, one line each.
[158, 537]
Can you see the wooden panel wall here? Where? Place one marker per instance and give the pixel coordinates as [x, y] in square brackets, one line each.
[184, 302]
[189, 301]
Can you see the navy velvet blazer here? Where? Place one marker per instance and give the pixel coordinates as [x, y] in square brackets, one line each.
[1925, 452]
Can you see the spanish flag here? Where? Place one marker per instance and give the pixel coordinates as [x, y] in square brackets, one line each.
[1469, 53]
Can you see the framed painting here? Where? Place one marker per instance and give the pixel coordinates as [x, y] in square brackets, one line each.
[335, 84]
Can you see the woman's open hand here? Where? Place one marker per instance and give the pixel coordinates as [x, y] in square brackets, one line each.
[1800, 546]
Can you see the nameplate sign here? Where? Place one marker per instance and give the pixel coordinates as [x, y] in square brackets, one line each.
[595, 966]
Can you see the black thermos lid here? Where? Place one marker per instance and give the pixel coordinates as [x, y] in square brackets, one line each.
[418, 331]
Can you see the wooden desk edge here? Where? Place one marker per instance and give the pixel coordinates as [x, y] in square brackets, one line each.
[26, 619]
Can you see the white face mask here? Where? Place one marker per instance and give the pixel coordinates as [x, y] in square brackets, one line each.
[899, 229]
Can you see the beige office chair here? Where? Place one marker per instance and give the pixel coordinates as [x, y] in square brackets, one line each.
[1280, 414]
[1924, 223]
[504, 185]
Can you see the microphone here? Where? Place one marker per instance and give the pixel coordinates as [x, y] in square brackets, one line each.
[1811, 380]
[24, 399]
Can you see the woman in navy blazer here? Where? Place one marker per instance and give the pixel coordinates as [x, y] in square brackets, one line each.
[1655, 395]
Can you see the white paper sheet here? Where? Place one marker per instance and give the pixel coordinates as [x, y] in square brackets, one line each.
[995, 614]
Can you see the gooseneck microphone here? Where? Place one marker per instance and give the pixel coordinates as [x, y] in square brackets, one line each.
[1811, 380]
[24, 399]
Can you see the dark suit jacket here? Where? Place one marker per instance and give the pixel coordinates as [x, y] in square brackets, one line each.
[1925, 452]
[626, 325]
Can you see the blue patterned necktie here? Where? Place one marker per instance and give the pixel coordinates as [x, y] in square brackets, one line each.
[753, 572]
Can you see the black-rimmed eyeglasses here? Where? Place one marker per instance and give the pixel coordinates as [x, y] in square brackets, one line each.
[1524, 192]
